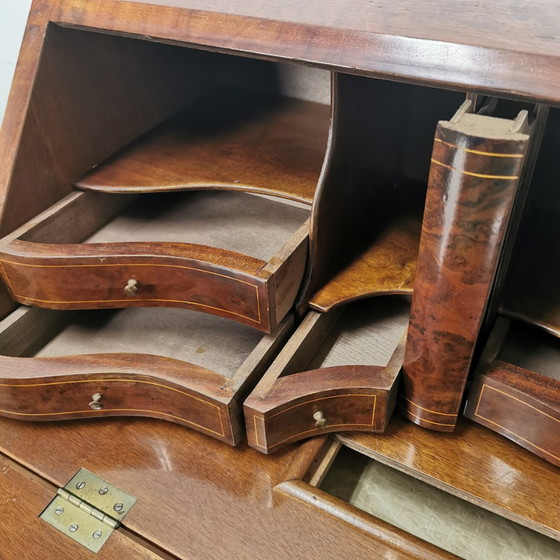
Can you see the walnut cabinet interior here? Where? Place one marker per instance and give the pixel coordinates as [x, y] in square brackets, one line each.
[516, 387]
[463, 230]
[139, 140]
[233, 127]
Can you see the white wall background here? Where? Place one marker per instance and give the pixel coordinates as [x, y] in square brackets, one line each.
[13, 15]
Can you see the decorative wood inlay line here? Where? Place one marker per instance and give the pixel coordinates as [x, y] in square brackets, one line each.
[481, 175]
[257, 431]
[405, 409]
[90, 411]
[7, 277]
[477, 152]
[327, 398]
[427, 409]
[97, 381]
[484, 386]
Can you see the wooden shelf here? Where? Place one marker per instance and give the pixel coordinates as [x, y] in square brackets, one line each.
[386, 267]
[473, 463]
[233, 140]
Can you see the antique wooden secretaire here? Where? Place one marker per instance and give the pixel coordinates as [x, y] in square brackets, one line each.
[280, 280]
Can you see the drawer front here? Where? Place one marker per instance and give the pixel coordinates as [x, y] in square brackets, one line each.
[354, 411]
[78, 387]
[112, 282]
[513, 412]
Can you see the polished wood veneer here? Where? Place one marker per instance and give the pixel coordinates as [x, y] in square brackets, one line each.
[189, 485]
[386, 267]
[24, 496]
[206, 276]
[94, 78]
[227, 140]
[64, 372]
[474, 464]
[476, 167]
[338, 371]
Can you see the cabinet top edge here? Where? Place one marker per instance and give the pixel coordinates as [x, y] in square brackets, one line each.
[450, 53]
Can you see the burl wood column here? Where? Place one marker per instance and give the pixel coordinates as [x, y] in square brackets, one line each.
[476, 164]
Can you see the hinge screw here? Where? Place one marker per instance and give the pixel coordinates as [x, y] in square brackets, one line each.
[118, 507]
[73, 527]
[103, 491]
[59, 510]
[80, 485]
[97, 535]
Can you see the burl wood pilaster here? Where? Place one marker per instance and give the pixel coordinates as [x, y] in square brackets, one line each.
[476, 164]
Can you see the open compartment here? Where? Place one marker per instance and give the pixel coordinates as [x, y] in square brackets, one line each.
[367, 220]
[460, 522]
[174, 364]
[368, 237]
[338, 372]
[230, 124]
[236, 255]
[516, 387]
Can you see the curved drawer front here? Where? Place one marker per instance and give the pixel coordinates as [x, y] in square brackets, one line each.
[77, 387]
[332, 399]
[519, 404]
[315, 415]
[111, 281]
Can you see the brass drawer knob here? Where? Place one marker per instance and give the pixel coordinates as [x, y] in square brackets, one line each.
[319, 418]
[95, 403]
[131, 288]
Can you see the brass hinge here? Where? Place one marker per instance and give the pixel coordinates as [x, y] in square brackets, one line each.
[88, 509]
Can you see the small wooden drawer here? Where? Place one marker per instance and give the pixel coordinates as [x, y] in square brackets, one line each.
[319, 383]
[172, 364]
[517, 394]
[236, 255]
[199, 235]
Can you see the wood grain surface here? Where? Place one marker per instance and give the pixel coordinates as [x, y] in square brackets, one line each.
[410, 19]
[39, 389]
[339, 371]
[230, 139]
[357, 398]
[386, 267]
[475, 464]
[476, 164]
[163, 272]
[24, 496]
[198, 497]
[511, 53]
[62, 381]
[373, 181]
[522, 405]
[111, 91]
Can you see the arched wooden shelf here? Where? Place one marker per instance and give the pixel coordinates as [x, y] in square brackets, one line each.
[386, 267]
[230, 140]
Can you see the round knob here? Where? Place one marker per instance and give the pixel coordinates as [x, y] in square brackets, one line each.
[95, 403]
[131, 288]
[319, 418]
